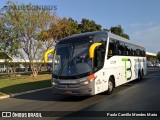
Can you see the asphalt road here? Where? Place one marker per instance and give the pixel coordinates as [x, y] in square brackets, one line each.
[134, 96]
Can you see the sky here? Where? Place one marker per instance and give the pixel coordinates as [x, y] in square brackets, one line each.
[140, 19]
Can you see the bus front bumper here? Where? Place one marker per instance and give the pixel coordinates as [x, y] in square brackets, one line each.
[85, 90]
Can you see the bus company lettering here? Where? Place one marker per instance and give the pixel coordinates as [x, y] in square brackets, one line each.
[127, 69]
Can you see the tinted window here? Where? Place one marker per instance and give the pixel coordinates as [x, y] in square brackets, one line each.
[111, 48]
[100, 39]
[129, 49]
[119, 48]
[122, 48]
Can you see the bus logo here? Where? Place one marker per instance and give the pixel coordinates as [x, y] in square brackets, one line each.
[127, 69]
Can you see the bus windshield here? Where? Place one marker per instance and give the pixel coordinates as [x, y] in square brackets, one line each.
[72, 59]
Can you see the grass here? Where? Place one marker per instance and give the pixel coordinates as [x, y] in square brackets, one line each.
[11, 84]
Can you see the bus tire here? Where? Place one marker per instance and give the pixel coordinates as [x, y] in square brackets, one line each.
[110, 86]
[139, 75]
[142, 74]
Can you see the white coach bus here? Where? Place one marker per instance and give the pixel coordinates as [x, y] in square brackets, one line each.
[95, 62]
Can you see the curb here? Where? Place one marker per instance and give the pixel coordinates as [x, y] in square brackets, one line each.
[16, 94]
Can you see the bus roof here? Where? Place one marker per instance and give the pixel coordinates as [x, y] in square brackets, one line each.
[96, 33]
[82, 35]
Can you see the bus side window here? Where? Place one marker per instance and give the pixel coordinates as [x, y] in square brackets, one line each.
[111, 48]
[110, 52]
[137, 52]
[119, 48]
[126, 49]
[144, 53]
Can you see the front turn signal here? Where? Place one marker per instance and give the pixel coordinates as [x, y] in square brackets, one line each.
[91, 77]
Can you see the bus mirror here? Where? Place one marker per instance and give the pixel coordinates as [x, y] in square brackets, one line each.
[92, 49]
[46, 55]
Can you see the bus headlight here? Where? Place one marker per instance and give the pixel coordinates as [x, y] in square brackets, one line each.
[85, 82]
[53, 82]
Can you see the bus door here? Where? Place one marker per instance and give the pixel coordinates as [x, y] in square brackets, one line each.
[99, 70]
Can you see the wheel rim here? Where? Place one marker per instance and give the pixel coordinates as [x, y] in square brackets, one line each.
[110, 86]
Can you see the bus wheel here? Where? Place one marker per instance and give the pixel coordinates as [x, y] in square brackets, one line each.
[139, 75]
[142, 74]
[110, 86]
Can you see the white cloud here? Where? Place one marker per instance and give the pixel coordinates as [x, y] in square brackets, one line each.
[148, 36]
[135, 24]
[140, 25]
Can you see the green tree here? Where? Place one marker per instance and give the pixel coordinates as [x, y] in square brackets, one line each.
[7, 44]
[63, 28]
[118, 30]
[73, 26]
[125, 36]
[25, 27]
[87, 25]
[158, 56]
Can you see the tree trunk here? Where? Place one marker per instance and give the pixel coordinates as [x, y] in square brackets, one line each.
[34, 72]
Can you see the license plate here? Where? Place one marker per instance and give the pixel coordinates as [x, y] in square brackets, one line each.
[68, 92]
[67, 81]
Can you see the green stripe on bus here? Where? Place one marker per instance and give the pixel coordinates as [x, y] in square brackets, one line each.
[127, 69]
